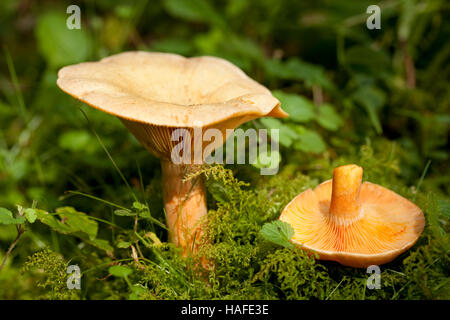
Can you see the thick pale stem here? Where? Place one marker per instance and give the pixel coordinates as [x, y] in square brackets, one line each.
[185, 205]
[345, 193]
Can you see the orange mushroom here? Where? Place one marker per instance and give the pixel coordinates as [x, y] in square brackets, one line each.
[354, 224]
[154, 94]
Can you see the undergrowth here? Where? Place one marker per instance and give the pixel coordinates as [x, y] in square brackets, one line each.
[234, 261]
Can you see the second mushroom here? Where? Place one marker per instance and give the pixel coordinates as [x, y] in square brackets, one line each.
[154, 94]
[356, 224]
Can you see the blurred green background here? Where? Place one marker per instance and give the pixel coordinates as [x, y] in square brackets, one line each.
[344, 86]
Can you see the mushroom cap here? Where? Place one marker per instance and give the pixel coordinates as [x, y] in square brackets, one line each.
[387, 225]
[154, 94]
[166, 89]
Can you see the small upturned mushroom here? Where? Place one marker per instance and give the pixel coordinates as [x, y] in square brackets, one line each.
[355, 224]
[154, 94]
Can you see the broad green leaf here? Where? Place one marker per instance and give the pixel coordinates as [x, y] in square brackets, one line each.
[53, 222]
[59, 45]
[278, 232]
[6, 217]
[30, 215]
[310, 141]
[78, 221]
[328, 118]
[71, 222]
[299, 108]
[120, 271]
[286, 134]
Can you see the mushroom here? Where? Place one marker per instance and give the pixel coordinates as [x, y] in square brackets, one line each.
[355, 224]
[154, 94]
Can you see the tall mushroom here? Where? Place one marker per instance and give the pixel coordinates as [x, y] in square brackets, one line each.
[354, 224]
[154, 94]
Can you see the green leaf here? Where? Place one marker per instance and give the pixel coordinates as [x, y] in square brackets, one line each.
[286, 134]
[296, 69]
[310, 73]
[145, 214]
[126, 213]
[51, 221]
[78, 221]
[139, 206]
[328, 118]
[299, 108]
[276, 68]
[218, 191]
[6, 217]
[59, 45]
[267, 160]
[124, 244]
[72, 222]
[120, 271]
[98, 243]
[30, 215]
[310, 141]
[193, 10]
[278, 232]
[372, 99]
[137, 291]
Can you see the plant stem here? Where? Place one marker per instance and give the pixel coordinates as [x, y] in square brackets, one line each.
[20, 231]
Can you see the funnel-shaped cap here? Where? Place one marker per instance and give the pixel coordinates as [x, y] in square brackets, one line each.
[352, 223]
[155, 93]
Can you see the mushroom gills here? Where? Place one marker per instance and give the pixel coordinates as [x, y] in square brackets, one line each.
[352, 223]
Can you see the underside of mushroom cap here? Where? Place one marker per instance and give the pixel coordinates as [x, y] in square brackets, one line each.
[169, 90]
[386, 226]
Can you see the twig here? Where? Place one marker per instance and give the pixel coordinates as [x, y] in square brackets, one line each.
[20, 231]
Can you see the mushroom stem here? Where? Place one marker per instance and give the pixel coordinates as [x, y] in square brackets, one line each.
[185, 205]
[345, 191]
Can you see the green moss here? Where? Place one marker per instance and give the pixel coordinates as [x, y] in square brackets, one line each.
[244, 265]
[53, 275]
